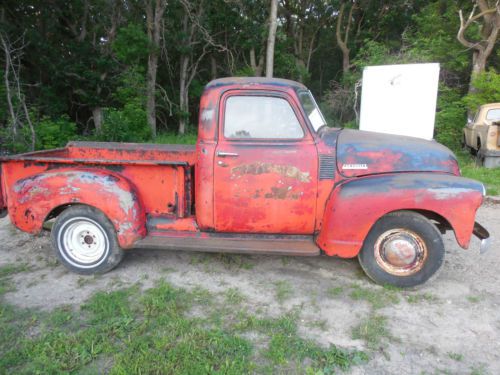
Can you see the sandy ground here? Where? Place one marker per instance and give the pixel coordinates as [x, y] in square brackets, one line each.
[459, 316]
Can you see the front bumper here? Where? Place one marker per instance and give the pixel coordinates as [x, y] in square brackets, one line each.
[481, 233]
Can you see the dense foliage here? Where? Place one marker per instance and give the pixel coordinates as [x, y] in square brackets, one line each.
[82, 69]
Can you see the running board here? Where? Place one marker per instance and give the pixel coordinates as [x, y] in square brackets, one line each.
[300, 247]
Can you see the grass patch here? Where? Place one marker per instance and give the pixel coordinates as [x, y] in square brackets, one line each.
[132, 331]
[378, 297]
[473, 299]
[334, 292]
[373, 331]
[417, 298]
[283, 290]
[233, 296]
[6, 272]
[489, 177]
[12, 269]
[456, 356]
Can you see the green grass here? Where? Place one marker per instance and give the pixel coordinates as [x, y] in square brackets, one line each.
[12, 269]
[489, 177]
[233, 296]
[283, 290]
[373, 331]
[473, 299]
[456, 356]
[377, 297]
[130, 331]
[417, 298]
[334, 292]
[174, 138]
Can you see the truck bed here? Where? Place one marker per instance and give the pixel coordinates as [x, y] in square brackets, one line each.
[162, 175]
[113, 153]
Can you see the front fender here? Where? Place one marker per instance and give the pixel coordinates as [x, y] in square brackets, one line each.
[355, 205]
[32, 199]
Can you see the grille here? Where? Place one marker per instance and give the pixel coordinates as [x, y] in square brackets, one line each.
[326, 167]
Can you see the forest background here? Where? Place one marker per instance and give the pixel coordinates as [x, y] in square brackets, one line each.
[134, 70]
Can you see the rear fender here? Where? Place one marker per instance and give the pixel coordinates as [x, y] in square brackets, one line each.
[354, 206]
[32, 199]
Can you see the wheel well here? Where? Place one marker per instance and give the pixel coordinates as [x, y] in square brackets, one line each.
[439, 221]
[57, 211]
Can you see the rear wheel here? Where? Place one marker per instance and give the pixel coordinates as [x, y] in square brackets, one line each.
[85, 241]
[403, 249]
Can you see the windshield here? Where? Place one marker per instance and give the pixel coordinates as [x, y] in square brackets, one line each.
[311, 109]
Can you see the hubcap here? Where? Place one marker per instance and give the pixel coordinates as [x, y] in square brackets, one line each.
[84, 242]
[400, 252]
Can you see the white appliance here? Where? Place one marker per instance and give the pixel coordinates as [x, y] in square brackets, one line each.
[400, 99]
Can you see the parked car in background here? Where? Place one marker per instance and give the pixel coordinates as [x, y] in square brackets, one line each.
[482, 137]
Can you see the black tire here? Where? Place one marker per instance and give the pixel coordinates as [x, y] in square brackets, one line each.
[424, 241]
[85, 241]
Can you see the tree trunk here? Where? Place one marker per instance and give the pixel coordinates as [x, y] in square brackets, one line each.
[342, 42]
[97, 117]
[154, 25]
[151, 92]
[271, 38]
[256, 67]
[213, 67]
[253, 62]
[7, 86]
[489, 20]
[183, 94]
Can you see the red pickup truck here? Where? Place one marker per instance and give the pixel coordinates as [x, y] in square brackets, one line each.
[266, 176]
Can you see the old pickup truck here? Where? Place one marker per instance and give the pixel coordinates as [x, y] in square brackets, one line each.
[267, 176]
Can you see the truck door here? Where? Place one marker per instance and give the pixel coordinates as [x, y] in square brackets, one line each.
[265, 166]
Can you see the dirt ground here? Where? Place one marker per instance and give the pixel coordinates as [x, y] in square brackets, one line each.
[450, 325]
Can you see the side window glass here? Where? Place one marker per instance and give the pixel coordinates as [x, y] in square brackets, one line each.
[260, 117]
[493, 114]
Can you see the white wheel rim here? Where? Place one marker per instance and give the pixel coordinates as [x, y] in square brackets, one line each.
[83, 242]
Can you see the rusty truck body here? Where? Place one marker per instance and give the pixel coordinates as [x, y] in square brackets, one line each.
[267, 176]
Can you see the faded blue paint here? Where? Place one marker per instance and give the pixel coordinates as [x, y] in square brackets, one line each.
[383, 153]
[439, 185]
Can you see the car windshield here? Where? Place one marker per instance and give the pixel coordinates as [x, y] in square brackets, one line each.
[311, 109]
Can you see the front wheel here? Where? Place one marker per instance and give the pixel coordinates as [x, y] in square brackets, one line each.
[403, 249]
[85, 241]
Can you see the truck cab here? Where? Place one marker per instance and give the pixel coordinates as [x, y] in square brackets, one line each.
[267, 176]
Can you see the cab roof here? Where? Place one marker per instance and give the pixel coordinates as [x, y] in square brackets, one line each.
[229, 81]
[490, 105]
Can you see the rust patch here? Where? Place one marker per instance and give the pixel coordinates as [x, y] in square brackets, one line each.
[289, 171]
[281, 193]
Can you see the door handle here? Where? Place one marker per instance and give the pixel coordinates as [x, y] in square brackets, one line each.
[223, 153]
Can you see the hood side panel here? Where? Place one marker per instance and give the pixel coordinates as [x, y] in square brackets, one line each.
[362, 153]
